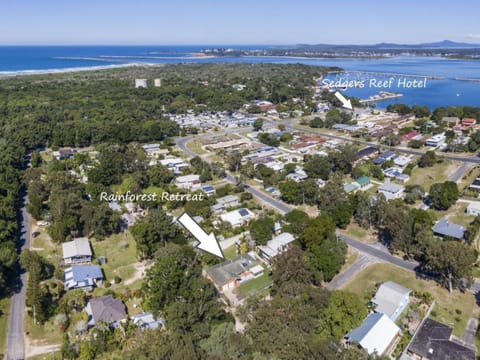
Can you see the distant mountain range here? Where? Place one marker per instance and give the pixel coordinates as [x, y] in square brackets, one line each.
[445, 44]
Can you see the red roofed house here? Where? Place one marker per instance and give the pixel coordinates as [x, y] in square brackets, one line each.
[410, 136]
[465, 124]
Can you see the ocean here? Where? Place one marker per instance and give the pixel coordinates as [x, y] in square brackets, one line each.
[447, 91]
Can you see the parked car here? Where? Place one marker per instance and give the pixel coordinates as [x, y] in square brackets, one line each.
[35, 234]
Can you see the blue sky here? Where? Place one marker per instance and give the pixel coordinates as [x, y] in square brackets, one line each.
[236, 21]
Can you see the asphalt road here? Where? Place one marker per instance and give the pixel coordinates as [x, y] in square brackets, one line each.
[457, 175]
[345, 276]
[375, 252]
[469, 334]
[16, 330]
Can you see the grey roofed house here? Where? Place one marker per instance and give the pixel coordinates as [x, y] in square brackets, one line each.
[432, 341]
[391, 299]
[235, 270]
[77, 251]
[446, 228]
[106, 309]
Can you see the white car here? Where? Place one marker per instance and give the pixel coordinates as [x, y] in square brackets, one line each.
[43, 223]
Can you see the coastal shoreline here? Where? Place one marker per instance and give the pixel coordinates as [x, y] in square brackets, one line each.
[18, 73]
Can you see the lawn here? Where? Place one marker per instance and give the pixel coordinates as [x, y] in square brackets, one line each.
[446, 306]
[252, 286]
[360, 233]
[121, 253]
[4, 314]
[196, 147]
[456, 214]
[47, 333]
[230, 252]
[435, 174]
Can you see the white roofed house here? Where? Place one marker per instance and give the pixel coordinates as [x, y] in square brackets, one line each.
[376, 334]
[237, 217]
[189, 182]
[391, 190]
[77, 251]
[276, 246]
[391, 299]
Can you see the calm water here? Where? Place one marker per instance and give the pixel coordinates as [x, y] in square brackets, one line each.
[448, 91]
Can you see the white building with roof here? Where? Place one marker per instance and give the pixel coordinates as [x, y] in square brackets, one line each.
[237, 217]
[376, 333]
[276, 246]
[189, 182]
[473, 208]
[436, 140]
[77, 251]
[391, 299]
[391, 191]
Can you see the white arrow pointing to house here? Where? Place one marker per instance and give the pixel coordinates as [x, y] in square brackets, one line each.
[345, 103]
[208, 242]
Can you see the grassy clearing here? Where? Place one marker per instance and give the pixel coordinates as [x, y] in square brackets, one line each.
[447, 304]
[456, 214]
[196, 147]
[230, 252]
[435, 174]
[252, 286]
[47, 333]
[360, 233]
[120, 259]
[4, 314]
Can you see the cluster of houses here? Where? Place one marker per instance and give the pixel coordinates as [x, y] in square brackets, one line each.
[378, 334]
[81, 274]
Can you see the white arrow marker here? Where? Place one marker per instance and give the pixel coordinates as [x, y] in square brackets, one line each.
[345, 103]
[207, 243]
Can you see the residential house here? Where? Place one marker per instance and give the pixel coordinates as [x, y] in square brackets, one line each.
[350, 187]
[465, 124]
[391, 190]
[402, 161]
[363, 182]
[391, 299]
[367, 152]
[175, 164]
[209, 190]
[77, 251]
[83, 277]
[225, 202]
[106, 309]
[475, 185]
[64, 153]
[413, 135]
[146, 320]
[375, 334]
[237, 217]
[473, 208]
[276, 246]
[450, 121]
[445, 228]
[436, 140]
[231, 273]
[298, 175]
[433, 341]
[189, 182]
